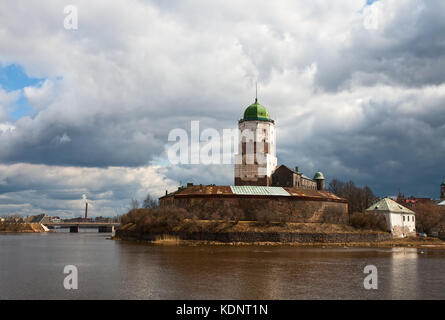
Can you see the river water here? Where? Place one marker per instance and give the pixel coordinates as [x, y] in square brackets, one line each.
[31, 267]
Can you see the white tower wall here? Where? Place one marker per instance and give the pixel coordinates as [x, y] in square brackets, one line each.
[256, 159]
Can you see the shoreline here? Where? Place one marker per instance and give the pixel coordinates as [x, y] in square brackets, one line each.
[365, 239]
[384, 244]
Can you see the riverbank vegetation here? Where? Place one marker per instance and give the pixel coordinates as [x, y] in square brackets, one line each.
[429, 217]
[368, 221]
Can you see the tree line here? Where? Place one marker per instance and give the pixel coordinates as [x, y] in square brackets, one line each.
[429, 216]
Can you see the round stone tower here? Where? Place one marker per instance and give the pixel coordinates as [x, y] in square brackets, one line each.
[442, 190]
[319, 178]
[256, 160]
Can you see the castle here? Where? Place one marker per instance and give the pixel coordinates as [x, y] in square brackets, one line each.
[259, 185]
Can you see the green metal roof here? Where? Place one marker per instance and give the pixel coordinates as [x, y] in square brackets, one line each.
[318, 176]
[259, 190]
[256, 112]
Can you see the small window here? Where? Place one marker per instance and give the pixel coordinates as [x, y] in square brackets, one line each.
[408, 218]
[403, 218]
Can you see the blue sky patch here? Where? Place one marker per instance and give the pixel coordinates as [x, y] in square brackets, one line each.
[13, 77]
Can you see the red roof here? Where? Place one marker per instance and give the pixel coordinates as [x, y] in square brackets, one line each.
[226, 191]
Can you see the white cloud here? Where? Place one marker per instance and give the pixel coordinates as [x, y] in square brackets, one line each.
[347, 99]
[7, 99]
[41, 96]
[59, 190]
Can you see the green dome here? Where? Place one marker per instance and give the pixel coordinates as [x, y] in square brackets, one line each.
[443, 183]
[256, 112]
[318, 176]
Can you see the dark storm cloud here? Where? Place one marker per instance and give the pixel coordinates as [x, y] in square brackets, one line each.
[407, 48]
[391, 142]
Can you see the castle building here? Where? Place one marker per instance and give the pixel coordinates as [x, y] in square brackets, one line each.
[257, 161]
[259, 185]
[285, 177]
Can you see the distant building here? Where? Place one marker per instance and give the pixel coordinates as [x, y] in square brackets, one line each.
[411, 201]
[285, 177]
[401, 221]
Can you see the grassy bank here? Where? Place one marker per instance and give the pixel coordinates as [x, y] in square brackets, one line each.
[6, 227]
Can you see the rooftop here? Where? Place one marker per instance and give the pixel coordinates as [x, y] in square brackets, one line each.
[254, 191]
[318, 176]
[388, 204]
[260, 190]
[256, 112]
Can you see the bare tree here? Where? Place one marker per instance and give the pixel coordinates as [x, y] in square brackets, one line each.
[134, 204]
[359, 199]
[429, 217]
[150, 202]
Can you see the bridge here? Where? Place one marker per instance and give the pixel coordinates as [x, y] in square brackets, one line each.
[75, 226]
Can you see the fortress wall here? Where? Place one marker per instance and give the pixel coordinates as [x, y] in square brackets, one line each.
[294, 209]
[283, 237]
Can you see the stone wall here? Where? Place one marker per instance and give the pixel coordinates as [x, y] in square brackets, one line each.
[284, 237]
[296, 210]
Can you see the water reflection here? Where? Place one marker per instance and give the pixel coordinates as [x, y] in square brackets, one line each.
[31, 267]
[404, 273]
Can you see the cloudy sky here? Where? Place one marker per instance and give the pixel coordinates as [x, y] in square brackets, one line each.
[357, 90]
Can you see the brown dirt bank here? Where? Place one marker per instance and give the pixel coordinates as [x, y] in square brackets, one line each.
[6, 227]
